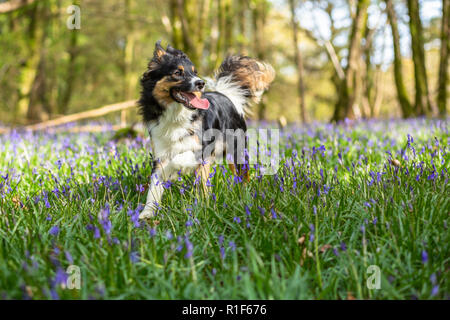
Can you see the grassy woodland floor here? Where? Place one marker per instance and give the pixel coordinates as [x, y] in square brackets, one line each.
[345, 197]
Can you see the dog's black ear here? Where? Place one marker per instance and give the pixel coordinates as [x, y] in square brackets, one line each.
[177, 53]
[170, 48]
[157, 55]
[159, 51]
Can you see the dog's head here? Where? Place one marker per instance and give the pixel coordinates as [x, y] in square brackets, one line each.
[172, 77]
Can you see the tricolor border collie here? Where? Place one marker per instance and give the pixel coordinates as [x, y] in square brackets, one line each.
[177, 111]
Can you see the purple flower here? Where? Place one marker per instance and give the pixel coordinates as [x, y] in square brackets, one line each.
[68, 256]
[432, 176]
[103, 219]
[435, 290]
[424, 257]
[433, 278]
[237, 219]
[96, 233]
[140, 188]
[189, 248]
[134, 257]
[232, 245]
[54, 230]
[60, 277]
[274, 214]
[261, 210]
[343, 246]
[54, 294]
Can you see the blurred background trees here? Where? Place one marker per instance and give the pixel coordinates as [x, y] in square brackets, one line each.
[335, 59]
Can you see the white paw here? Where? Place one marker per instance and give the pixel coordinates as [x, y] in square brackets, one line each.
[147, 213]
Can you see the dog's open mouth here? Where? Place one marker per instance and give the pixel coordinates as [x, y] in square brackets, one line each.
[191, 100]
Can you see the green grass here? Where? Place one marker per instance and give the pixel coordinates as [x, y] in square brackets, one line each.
[330, 226]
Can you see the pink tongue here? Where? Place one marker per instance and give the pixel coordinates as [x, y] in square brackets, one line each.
[198, 103]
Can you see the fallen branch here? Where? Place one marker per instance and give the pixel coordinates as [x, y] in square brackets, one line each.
[12, 5]
[82, 115]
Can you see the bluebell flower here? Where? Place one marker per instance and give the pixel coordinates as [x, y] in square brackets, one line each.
[274, 214]
[424, 257]
[134, 257]
[54, 230]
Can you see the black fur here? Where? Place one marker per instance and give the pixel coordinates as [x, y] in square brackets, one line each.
[158, 68]
[220, 115]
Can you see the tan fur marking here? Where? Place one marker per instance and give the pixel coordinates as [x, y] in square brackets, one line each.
[159, 52]
[256, 76]
[245, 174]
[161, 92]
[203, 171]
[232, 168]
[198, 94]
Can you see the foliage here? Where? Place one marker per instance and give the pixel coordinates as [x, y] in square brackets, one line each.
[47, 69]
[345, 197]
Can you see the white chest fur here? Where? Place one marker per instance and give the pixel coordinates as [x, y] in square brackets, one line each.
[171, 134]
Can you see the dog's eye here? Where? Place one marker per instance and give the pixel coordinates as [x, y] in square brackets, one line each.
[178, 72]
[195, 71]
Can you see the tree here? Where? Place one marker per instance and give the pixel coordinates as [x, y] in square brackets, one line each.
[423, 103]
[350, 86]
[73, 52]
[188, 22]
[259, 15]
[445, 54]
[402, 95]
[299, 63]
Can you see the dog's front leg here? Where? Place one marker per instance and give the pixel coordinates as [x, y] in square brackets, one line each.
[159, 175]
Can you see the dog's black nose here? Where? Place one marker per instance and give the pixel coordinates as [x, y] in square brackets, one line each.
[199, 84]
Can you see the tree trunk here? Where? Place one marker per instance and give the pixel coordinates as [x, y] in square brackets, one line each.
[37, 102]
[177, 36]
[37, 99]
[350, 86]
[188, 25]
[299, 63]
[70, 73]
[259, 9]
[221, 22]
[402, 95]
[423, 104]
[445, 53]
[128, 53]
[28, 70]
[242, 23]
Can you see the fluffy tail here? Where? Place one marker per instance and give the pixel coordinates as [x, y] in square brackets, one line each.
[243, 80]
